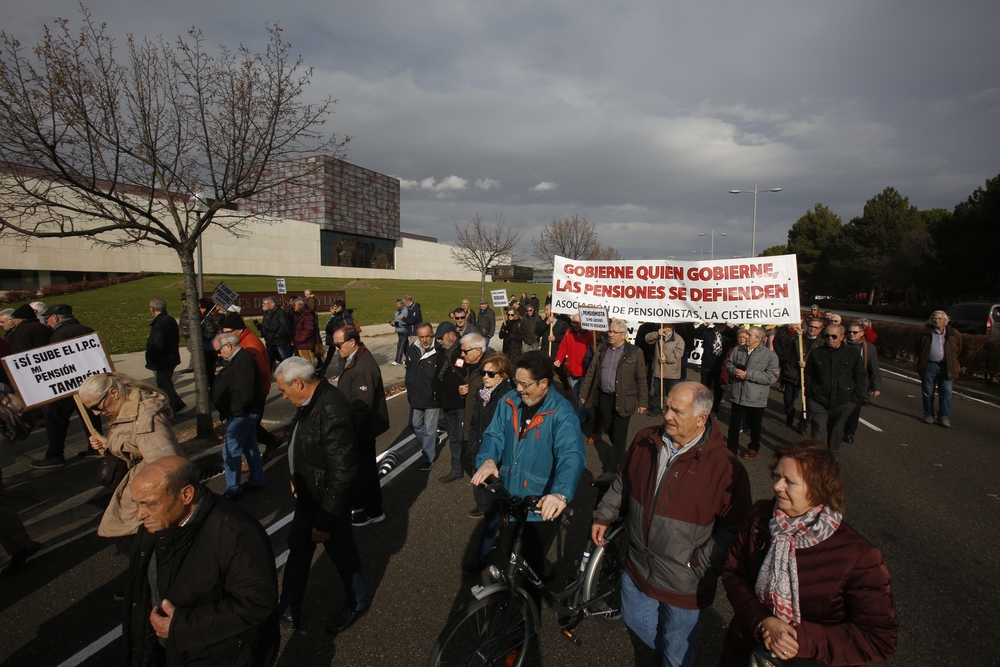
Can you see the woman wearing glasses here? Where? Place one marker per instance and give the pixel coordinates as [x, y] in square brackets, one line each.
[496, 385]
[512, 335]
[139, 433]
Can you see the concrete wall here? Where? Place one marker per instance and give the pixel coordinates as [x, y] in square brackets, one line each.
[284, 249]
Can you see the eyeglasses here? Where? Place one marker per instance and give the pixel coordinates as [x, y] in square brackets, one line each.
[854, 333]
[617, 333]
[99, 406]
[459, 318]
[524, 385]
[831, 336]
[492, 374]
[472, 349]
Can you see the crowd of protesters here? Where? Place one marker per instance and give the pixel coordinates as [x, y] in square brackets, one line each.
[803, 584]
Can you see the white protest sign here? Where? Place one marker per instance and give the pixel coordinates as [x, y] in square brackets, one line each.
[759, 290]
[281, 286]
[224, 296]
[593, 319]
[499, 297]
[48, 373]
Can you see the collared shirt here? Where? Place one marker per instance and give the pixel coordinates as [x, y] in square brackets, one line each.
[937, 346]
[668, 454]
[609, 368]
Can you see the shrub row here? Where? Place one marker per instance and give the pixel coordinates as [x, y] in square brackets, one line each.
[21, 296]
[911, 312]
[980, 357]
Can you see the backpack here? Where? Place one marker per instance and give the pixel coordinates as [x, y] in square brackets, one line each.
[17, 422]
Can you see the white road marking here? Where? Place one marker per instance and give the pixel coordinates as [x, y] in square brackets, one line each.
[870, 425]
[955, 392]
[105, 640]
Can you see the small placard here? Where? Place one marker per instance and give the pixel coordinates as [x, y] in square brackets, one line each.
[499, 297]
[224, 296]
[594, 319]
[281, 286]
[45, 374]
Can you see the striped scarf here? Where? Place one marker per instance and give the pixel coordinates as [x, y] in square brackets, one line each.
[778, 581]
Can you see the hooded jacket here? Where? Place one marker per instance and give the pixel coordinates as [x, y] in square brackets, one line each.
[678, 537]
[547, 458]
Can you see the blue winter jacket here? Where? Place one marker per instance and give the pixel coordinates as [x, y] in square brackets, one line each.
[549, 458]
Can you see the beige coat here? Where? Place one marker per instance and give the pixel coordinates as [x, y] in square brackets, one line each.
[139, 434]
[673, 350]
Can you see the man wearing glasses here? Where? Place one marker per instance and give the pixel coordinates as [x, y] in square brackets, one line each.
[616, 385]
[835, 382]
[361, 382]
[237, 396]
[463, 323]
[535, 446]
[869, 356]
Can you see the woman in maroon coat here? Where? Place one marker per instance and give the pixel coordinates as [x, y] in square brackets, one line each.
[805, 587]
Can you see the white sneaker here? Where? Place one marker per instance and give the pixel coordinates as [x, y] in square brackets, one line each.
[394, 363]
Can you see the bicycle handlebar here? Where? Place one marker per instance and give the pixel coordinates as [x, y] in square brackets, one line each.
[516, 504]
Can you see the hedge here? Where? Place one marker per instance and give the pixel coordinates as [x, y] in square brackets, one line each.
[27, 295]
[980, 356]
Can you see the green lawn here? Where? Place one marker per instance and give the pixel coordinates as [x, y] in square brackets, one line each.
[121, 314]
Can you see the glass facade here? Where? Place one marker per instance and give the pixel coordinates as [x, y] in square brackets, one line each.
[366, 252]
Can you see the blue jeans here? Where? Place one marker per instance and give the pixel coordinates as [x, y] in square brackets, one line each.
[576, 383]
[937, 374]
[342, 550]
[672, 631]
[241, 438]
[425, 427]
[453, 420]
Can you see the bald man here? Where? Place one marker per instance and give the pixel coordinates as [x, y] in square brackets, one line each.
[202, 586]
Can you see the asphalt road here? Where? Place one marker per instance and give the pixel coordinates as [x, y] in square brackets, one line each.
[927, 496]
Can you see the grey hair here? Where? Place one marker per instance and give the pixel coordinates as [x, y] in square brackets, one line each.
[473, 340]
[833, 327]
[6, 311]
[228, 338]
[758, 332]
[97, 387]
[702, 398]
[299, 299]
[296, 368]
[270, 300]
[158, 304]
[938, 312]
[866, 323]
[184, 475]
[407, 297]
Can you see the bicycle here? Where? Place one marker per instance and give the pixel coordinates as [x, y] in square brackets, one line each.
[496, 628]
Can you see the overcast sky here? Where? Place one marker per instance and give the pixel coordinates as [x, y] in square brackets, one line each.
[640, 115]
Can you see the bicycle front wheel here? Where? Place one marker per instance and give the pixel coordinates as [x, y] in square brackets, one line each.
[603, 585]
[493, 632]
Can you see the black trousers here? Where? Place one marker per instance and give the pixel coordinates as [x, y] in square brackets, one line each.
[367, 491]
[615, 425]
[828, 423]
[57, 424]
[165, 382]
[713, 381]
[754, 417]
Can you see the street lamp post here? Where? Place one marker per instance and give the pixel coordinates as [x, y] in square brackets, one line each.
[713, 235]
[753, 242]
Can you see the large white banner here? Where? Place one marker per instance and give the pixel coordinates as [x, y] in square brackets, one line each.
[48, 373]
[760, 290]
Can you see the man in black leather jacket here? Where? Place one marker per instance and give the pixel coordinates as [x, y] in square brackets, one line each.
[323, 463]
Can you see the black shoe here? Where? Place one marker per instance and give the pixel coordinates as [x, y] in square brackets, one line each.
[347, 618]
[89, 453]
[425, 465]
[476, 512]
[48, 462]
[118, 596]
[789, 420]
[450, 477]
[18, 559]
[250, 488]
[232, 496]
[288, 621]
[803, 429]
[848, 438]
[474, 565]
[361, 518]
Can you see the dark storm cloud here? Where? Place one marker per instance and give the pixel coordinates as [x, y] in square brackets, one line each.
[641, 117]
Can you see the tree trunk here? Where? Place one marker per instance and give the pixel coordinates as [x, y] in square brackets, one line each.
[482, 285]
[871, 296]
[204, 406]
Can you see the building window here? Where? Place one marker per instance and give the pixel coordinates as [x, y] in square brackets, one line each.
[362, 252]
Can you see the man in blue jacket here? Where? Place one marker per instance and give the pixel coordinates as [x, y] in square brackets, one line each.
[534, 444]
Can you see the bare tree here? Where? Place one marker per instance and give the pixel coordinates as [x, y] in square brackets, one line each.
[113, 151]
[481, 245]
[573, 237]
